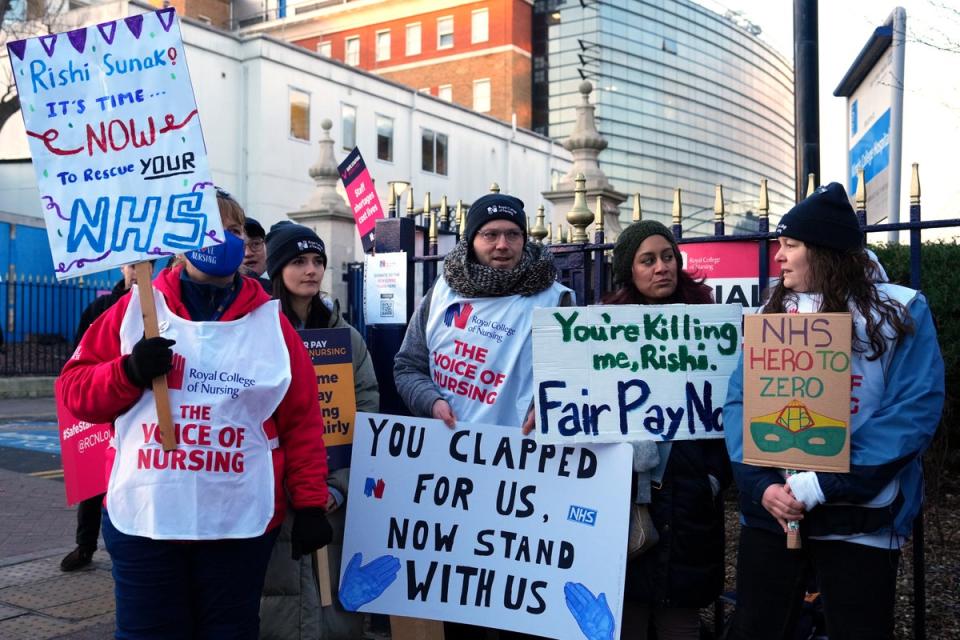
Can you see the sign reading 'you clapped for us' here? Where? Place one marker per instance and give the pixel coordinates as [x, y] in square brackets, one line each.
[116, 143]
[633, 372]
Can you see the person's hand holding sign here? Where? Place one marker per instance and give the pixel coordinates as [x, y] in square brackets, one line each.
[442, 411]
[363, 584]
[149, 359]
[311, 531]
[779, 501]
[592, 614]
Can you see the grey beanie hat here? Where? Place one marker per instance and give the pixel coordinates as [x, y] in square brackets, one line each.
[630, 240]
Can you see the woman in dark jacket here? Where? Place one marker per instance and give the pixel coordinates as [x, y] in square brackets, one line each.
[683, 571]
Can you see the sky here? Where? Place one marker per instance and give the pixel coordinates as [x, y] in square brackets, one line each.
[931, 131]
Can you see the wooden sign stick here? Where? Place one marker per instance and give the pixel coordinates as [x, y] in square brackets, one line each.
[793, 527]
[324, 577]
[402, 628]
[148, 308]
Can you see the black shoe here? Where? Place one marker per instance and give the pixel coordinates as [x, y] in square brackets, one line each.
[77, 559]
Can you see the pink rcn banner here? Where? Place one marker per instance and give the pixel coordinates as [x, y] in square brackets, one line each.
[361, 195]
[732, 269]
[83, 452]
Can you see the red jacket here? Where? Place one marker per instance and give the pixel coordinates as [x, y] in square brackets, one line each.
[96, 389]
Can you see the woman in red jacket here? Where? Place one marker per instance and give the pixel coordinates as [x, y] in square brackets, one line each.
[248, 431]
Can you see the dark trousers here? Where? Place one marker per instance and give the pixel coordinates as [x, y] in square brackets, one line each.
[173, 590]
[857, 584]
[88, 521]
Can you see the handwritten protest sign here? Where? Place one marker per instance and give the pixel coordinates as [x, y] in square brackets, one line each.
[361, 195]
[116, 143]
[83, 448]
[332, 358]
[483, 526]
[633, 372]
[796, 391]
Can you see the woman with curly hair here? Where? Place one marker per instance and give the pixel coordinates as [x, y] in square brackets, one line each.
[853, 524]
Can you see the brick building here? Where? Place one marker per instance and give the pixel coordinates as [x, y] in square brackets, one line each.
[474, 53]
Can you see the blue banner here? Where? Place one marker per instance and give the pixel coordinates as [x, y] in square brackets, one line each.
[872, 152]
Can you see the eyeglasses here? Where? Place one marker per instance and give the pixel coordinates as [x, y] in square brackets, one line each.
[256, 245]
[492, 237]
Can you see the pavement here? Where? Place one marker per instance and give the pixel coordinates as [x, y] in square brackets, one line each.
[37, 600]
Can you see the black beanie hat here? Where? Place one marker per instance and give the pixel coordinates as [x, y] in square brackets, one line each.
[286, 241]
[494, 206]
[253, 229]
[630, 240]
[824, 218]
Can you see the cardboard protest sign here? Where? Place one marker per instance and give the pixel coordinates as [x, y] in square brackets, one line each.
[116, 143]
[633, 372]
[361, 195]
[796, 391]
[483, 526]
[730, 269]
[332, 358]
[83, 448]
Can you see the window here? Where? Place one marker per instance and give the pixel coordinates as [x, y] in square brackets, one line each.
[481, 95]
[299, 114]
[352, 48]
[384, 138]
[413, 39]
[348, 124]
[383, 45]
[670, 46]
[433, 152]
[480, 26]
[445, 92]
[445, 32]
[325, 49]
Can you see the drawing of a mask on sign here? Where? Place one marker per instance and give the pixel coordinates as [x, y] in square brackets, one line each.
[796, 427]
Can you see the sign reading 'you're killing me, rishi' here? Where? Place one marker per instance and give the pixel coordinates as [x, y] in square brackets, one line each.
[116, 142]
[633, 372]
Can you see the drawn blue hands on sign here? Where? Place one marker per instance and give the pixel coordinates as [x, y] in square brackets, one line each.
[592, 614]
[363, 584]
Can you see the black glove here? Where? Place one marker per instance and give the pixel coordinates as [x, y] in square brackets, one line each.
[150, 358]
[311, 531]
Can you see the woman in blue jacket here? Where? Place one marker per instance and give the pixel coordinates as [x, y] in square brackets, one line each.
[853, 524]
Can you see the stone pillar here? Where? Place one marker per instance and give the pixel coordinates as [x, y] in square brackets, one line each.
[327, 213]
[585, 144]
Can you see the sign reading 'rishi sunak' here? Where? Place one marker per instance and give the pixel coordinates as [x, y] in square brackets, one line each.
[796, 391]
[633, 372]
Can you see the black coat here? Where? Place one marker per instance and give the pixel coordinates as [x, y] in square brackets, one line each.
[686, 567]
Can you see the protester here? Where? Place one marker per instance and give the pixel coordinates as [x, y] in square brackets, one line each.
[290, 608]
[88, 511]
[852, 525]
[668, 583]
[255, 253]
[190, 531]
[492, 280]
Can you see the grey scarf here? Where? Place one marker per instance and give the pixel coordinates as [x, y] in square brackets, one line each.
[471, 279]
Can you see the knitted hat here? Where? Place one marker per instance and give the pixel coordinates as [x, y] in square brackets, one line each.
[824, 218]
[286, 241]
[630, 240]
[253, 228]
[495, 206]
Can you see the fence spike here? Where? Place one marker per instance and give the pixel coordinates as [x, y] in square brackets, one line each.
[677, 206]
[599, 214]
[539, 232]
[461, 218]
[431, 221]
[861, 197]
[718, 210]
[915, 184]
[811, 184]
[637, 213]
[764, 205]
[427, 206]
[579, 215]
[444, 212]
[410, 211]
[494, 188]
[392, 206]
[549, 237]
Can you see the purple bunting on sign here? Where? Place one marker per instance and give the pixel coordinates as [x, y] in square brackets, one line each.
[108, 30]
[49, 43]
[78, 38]
[18, 48]
[166, 16]
[135, 24]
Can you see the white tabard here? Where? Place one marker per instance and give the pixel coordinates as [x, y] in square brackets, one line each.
[228, 379]
[481, 353]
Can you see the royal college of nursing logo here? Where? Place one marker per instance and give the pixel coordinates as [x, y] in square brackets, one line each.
[457, 315]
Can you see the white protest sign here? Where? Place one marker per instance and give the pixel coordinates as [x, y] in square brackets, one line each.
[483, 526]
[633, 372]
[385, 288]
[116, 143]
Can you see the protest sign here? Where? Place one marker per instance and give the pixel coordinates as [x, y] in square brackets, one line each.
[385, 288]
[361, 195]
[796, 391]
[332, 358]
[483, 526]
[83, 448]
[731, 269]
[633, 372]
[116, 143]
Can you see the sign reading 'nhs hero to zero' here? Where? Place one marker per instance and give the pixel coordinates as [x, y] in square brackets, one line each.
[116, 143]
[633, 372]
